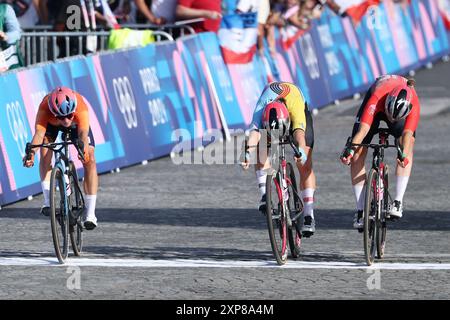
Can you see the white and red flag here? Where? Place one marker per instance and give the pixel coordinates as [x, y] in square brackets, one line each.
[238, 35]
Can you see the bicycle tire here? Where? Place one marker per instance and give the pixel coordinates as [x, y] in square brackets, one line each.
[382, 227]
[58, 218]
[295, 206]
[369, 218]
[76, 208]
[276, 221]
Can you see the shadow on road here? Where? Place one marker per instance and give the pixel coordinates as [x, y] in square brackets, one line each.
[240, 218]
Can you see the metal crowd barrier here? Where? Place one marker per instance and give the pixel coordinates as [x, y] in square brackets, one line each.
[43, 46]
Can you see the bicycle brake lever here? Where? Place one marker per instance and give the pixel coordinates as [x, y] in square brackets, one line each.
[79, 145]
[297, 152]
[399, 151]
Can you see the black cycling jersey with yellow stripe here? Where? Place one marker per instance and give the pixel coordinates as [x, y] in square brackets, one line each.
[295, 103]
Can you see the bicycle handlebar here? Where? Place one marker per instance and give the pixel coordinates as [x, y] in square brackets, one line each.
[379, 146]
[56, 146]
[297, 152]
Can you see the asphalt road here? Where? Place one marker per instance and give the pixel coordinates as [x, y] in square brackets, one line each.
[193, 232]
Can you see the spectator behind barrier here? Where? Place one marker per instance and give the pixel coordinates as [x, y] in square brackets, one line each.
[211, 10]
[145, 15]
[10, 33]
[165, 9]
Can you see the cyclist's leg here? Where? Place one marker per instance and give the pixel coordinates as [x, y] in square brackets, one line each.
[90, 182]
[261, 168]
[45, 167]
[402, 174]
[305, 140]
[307, 176]
[357, 166]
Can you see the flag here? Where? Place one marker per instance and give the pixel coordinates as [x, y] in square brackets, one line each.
[444, 8]
[358, 8]
[109, 15]
[238, 35]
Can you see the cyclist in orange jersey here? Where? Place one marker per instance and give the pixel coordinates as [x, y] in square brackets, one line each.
[65, 108]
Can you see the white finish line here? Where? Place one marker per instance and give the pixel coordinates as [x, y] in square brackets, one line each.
[191, 263]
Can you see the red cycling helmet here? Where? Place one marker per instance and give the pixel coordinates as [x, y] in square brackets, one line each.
[276, 117]
[62, 101]
[398, 103]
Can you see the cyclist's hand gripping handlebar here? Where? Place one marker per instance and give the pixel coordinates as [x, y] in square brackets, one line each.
[28, 159]
[299, 153]
[401, 157]
[348, 152]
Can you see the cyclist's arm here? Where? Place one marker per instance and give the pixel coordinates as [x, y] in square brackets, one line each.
[407, 142]
[82, 120]
[362, 133]
[300, 138]
[38, 138]
[253, 140]
[411, 124]
[366, 119]
[40, 127]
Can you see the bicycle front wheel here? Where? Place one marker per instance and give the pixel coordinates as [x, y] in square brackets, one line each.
[295, 207]
[276, 219]
[58, 215]
[370, 210]
[381, 224]
[76, 210]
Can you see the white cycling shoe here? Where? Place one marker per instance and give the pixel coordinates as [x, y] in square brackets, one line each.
[358, 222]
[396, 210]
[90, 222]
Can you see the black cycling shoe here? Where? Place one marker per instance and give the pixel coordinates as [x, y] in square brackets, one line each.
[262, 205]
[45, 211]
[309, 227]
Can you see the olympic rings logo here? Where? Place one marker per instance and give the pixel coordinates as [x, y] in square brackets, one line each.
[16, 121]
[125, 100]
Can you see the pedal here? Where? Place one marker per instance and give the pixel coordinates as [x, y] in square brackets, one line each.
[360, 230]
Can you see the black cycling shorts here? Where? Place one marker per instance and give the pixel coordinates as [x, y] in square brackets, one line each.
[309, 132]
[53, 131]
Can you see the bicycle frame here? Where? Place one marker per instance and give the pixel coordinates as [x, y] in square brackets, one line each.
[283, 180]
[61, 150]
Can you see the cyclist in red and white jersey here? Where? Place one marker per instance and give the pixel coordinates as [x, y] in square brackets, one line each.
[394, 100]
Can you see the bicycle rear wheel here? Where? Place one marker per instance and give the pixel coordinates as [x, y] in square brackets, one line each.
[58, 216]
[276, 220]
[370, 209]
[295, 207]
[76, 210]
[381, 224]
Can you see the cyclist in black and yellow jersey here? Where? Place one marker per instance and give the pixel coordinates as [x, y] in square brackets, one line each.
[283, 107]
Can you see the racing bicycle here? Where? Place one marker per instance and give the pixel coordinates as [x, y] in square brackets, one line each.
[378, 199]
[284, 204]
[66, 199]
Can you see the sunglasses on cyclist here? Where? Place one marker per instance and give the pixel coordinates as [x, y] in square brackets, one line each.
[68, 117]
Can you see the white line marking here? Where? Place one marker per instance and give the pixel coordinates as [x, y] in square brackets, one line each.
[191, 263]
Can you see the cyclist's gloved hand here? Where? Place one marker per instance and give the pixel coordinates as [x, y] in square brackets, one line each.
[402, 160]
[245, 164]
[303, 157]
[28, 159]
[347, 155]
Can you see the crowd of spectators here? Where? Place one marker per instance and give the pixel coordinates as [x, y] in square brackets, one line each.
[202, 15]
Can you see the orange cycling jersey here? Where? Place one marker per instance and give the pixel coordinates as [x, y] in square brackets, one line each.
[45, 117]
